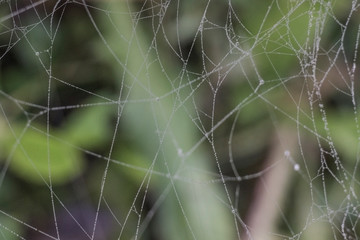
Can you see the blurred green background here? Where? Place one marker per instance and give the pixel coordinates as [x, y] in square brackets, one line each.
[179, 119]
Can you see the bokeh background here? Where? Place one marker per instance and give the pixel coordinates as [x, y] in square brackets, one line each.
[179, 119]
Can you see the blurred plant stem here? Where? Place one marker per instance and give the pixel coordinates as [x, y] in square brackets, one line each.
[272, 187]
[164, 131]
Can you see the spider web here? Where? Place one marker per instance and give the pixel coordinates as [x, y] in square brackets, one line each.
[179, 119]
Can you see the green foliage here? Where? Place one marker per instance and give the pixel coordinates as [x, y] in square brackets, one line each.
[163, 104]
[32, 154]
[88, 127]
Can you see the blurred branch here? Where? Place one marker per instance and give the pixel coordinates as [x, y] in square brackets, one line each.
[271, 188]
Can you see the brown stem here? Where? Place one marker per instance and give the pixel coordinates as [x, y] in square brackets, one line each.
[272, 186]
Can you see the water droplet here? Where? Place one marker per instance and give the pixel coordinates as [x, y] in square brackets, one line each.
[37, 54]
[296, 167]
[287, 153]
[180, 152]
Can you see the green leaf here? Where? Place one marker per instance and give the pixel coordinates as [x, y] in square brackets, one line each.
[30, 159]
[138, 163]
[88, 127]
[344, 135]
